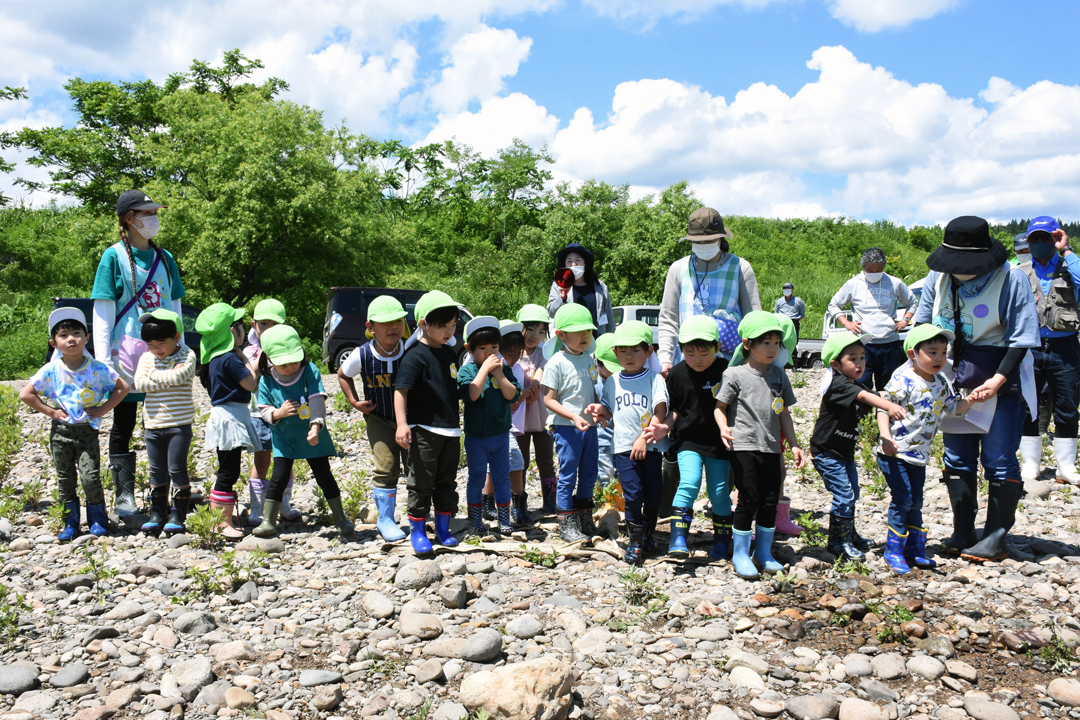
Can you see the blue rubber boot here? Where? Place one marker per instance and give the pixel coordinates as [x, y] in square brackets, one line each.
[763, 550]
[178, 511]
[740, 558]
[98, 520]
[680, 530]
[386, 502]
[71, 521]
[915, 548]
[442, 530]
[418, 537]
[721, 549]
[894, 552]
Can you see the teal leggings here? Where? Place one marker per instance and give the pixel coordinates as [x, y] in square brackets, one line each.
[717, 482]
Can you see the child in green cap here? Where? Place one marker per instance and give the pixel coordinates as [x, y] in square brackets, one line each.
[752, 410]
[844, 403]
[165, 373]
[428, 425]
[376, 363]
[606, 366]
[534, 321]
[570, 395]
[293, 403]
[920, 388]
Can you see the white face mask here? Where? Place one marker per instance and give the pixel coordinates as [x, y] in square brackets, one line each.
[873, 277]
[787, 293]
[964, 278]
[706, 251]
[579, 271]
[150, 226]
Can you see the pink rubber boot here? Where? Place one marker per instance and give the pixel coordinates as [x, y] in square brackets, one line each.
[783, 518]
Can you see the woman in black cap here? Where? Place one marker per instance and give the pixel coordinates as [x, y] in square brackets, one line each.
[134, 276]
[576, 281]
[973, 291]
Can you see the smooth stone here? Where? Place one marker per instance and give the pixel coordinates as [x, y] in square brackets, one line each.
[429, 670]
[889, 666]
[38, 702]
[422, 625]
[738, 658]
[766, 708]
[328, 698]
[524, 627]
[272, 546]
[1065, 691]
[126, 610]
[926, 667]
[235, 650]
[70, 675]
[484, 645]
[743, 676]
[212, 694]
[937, 645]
[877, 690]
[377, 605]
[248, 592]
[195, 623]
[981, 709]
[857, 665]
[713, 633]
[237, 698]
[594, 641]
[960, 669]
[812, 707]
[16, 679]
[450, 711]
[722, 712]
[454, 593]
[312, 678]
[178, 540]
[418, 575]
[73, 582]
[856, 709]
[445, 647]
[196, 672]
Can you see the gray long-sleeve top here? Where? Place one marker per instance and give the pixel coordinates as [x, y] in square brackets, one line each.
[868, 298]
[605, 318]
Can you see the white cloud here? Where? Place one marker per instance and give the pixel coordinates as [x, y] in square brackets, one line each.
[650, 11]
[876, 15]
[495, 125]
[476, 66]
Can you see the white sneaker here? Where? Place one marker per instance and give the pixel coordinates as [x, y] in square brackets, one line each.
[1065, 453]
[1031, 457]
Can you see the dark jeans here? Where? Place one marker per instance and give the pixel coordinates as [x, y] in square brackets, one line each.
[167, 450]
[796, 323]
[642, 481]
[228, 471]
[76, 454]
[432, 479]
[545, 452]
[841, 478]
[906, 483]
[757, 478]
[124, 417]
[881, 361]
[320, 468]
[1057, 377]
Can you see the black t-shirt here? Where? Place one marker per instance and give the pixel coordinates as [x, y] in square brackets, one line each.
[430, 376]
[692, 395]
[837, 426]
[225, 373]
[586, 295]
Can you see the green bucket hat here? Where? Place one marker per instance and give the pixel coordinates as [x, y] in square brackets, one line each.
[431, 301]
[699, 327]
[923, 332]
[384, 309]
[163, 314]
[755, 324]
[533, 313]
[572, 317]
[835, 344]
[605, 352]
[633, 332]
[282, 345]
[214, 323]
[270, 309]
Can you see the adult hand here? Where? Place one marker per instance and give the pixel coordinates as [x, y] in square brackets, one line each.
[852, 326]
[665, 369]
[1061, 240]
[989, 388]
[901, 324]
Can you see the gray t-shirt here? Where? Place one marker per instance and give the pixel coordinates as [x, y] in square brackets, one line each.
[632, 402]
[755, 401]
[573, 377]
[792, 307]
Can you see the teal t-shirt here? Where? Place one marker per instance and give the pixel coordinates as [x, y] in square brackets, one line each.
[289, 435]
[108, 282]
[488, 415]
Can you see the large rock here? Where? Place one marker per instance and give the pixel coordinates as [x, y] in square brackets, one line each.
[422, 625]
[237, 698]
[482, 646]
[38, 702]
[1065, 691]
[196, 672]
[71, 583]
[454, 593]
[195, 623]
[524, 627]
[960, 669]
[856, 709]
[531, 690]
[813, 707]
[418, 575]
[235, 650]
[926, 667]
[982, 709]
[311, 678]
[71, 675]
[125, 611]
[744, 677]
[271, 546]
[16, 679]
[889, 666]
[713, 632]
[444, 647]
[377, 605]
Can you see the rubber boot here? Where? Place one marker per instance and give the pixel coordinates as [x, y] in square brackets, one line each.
[721, 549]
[418, 537]
[861, 544]
[548, 487]
[839, 543]
[635, 549]
[98, 519]
[505, 528]
[122, 467]
[1031, 457]
[487, 508]
[442, 529]
[72, 521]
[962, 487]
[915, 549]
[520, 509]
[584, 508]
[225, 504]
[342, 522]
[894, 551]
[1065, 454]
[288, 512]
[763, 550]
[476, 521]
[569, 530]
[178, 512]
[740, 557]
[680, 531]
[257, 489]
[386, 503]
[784, 526]
[650, 544]
[159, 510]
[269, 526]
[1000, 516]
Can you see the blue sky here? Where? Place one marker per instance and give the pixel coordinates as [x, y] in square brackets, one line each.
[910, 110]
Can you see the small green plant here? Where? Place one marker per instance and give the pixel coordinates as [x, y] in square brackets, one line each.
[538, 557]
[814, 535]
[423, 711]
[841, 619]
[33, 492]
[798, 379]
[11, 440]
[10, 504]
[54, 518]
[95, 563]
[239, 571]
[868, 440]
[354, 493]
[1066, 494]
[322, 508]
[1056, 653]
[845, 567]
[390, 668]
[890, 634]
[204, 584]
[639, 588]
[11, 604]
[877, 485]
[341, 403]
[474, 540]
[204, 526]
[606, 494]
[480, 714]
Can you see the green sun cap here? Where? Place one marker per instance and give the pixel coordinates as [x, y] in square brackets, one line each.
[837, 342]
[923, 332]
[632, 333]
[432, 301]
[572, 317]
[605, 352]
[755, 324]
[533, 313]
[269, 309]
[214, 323]
[163, 314]
[699, 327]
[384, 309]
[282, 345]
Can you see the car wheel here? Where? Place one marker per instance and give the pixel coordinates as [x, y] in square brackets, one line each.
[342, 353]
[815, 363]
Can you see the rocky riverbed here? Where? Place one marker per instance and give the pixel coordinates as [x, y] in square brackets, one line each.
[316, 626]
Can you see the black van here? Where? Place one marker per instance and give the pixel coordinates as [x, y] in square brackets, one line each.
[346, 316]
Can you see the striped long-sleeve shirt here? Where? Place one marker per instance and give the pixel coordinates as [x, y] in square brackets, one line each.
[167, 387]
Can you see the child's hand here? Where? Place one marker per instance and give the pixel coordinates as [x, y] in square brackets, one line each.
[896, 412]
[640, 447]
[92, 412]
[515, 406]
[364, 406]
[888, 446]
[180, 366]
[313, 434]
[61, 416]
[596, 411]
[492, 366]
[581, 423]
[287, 409]
[800, 457]
[726, 436]
[654, 433]
[403, 436]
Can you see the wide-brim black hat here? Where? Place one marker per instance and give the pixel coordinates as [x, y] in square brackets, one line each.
[968, 249]
[581, 250]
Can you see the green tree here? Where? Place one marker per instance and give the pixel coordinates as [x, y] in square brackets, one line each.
[6, 139]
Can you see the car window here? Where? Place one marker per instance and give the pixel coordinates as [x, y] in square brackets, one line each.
[649, 317]
[410, 307]
[189, 318]
[351, 303]
[618, 313]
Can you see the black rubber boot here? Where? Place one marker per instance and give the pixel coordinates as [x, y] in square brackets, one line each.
[122, 467]
[635, 549]
[1000, 516]
[840, 529]
[159, 510]
[520, 509]
[569, 530]
[963, 496]
[488, 508]
[584, 509]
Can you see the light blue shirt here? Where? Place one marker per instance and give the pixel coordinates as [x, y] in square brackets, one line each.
[1016, 307]
[1045, 273]
[632, 401]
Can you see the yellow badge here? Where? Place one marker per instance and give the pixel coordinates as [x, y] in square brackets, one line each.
[87, 396]
[715, 390]
[592, 373]
[778, 405]
[644, 421]
[304, 411]
[495, 383]
[453, 371]
[938, 407]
